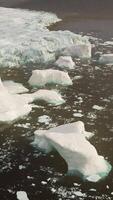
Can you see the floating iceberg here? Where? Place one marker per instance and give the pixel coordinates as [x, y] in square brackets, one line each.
[65, 62]
[14, 88]
[106, 59]
[80, 50]
[49, 96]
[12, 107]
[25, 39]
[49, 76]
[80, 155]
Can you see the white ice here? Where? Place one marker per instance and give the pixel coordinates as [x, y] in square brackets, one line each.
[80, 155]
[96, 107]
[49, 76]
[25, 39]
[14, 87]
[106, 59]
[65, 62]
[22, 195]
[44, 119]
[80, 50]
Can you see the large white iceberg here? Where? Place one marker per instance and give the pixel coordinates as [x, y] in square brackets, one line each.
[65, 62]
[25, 39]
[80, 155]
[106, 59]
[49, 76]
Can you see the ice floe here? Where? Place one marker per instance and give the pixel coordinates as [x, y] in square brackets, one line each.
[80, 155]
[80, 50]
[22, 195]
[65, 62]
[25, 39]
[14, 87]
[49, 76]
[106, 59]
[44, 119]
[12, 107]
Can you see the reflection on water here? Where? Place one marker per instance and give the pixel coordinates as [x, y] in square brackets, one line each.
[41, 176]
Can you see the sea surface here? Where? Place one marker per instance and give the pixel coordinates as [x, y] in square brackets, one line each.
[22, 167]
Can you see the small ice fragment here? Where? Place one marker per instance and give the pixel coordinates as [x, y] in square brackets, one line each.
[44, 119]
[49, 76]
[96, 107]
[53, 190]
[77, 115]
[43, 182]
[80, 194]
[92, 190]
[65, 62]
[22, 195]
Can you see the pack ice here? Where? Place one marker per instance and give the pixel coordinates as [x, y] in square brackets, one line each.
[25, 39]
[43, 77]
[70, 141]
[14, 106]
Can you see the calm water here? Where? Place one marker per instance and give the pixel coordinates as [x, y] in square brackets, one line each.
[41, 176]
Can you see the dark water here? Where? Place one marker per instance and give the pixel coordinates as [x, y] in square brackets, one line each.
[24, 168]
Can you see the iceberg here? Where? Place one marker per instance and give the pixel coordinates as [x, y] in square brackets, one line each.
[106, 59]
[49, 96]
[65, 62]
[26, 40]
[12, 107]
[70, 141]
[79, 50]
[49, 76]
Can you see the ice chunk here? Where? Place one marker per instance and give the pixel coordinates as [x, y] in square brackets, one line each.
[65, 62]
[81, 51]
[44, 119]
[80, 155]
[96, 107]
[14, 88]
[106, 59]
[12, 106]
[43, 77]
[25, 39]
[77, 114]
[21, 195]
[49, 96]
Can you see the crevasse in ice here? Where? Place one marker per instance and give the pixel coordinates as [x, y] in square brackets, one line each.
[70, 141]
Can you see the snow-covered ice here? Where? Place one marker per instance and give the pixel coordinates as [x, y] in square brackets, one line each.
[49, 76]
[106, 59]
[22, 195]
[25, 39]
[14, 87]
[80, 155]
[65, 62]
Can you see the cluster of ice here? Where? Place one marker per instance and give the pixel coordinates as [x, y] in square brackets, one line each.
[80, 155]
[22, 195]
[14, 88]
[65, 62]
[106, 59]
[44, 119]
[96, 107]
[25, 39]
[80, 50]
[49, 76]
[14, 106]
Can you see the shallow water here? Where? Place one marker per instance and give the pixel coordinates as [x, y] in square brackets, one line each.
[41, 176]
